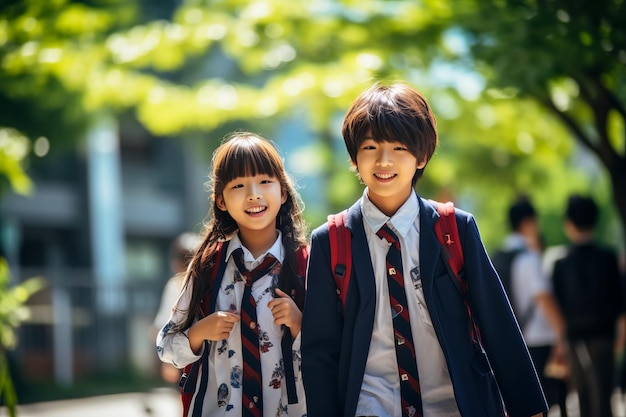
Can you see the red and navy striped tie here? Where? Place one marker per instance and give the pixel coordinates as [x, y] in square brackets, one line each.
[252, 398]
[405, 349]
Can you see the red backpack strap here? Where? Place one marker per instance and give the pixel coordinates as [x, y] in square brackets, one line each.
[447, 233]
[189, 377]
[340, 253]
[302, 261]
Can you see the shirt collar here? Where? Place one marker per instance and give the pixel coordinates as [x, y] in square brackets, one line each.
[514, 241]
[276, 250]
[402, 220]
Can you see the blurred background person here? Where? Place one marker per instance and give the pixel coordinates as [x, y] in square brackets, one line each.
[531, 297]
[180, 253]
[587, 286]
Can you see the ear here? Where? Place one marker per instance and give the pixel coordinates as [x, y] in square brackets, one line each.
[421, 164]
[283, 196]
[219, 202]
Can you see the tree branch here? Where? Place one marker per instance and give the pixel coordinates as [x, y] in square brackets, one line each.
[601, 103]
[570, 123]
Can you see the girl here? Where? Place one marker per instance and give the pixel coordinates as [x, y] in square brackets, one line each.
[212, 331]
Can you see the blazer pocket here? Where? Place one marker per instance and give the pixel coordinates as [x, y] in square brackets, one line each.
[486, 383]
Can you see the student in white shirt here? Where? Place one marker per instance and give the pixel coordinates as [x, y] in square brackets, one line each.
[181, 251]
[256, 214]
[351, 354]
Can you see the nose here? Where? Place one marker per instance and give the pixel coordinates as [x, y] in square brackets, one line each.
[254, 193]
[384, 158]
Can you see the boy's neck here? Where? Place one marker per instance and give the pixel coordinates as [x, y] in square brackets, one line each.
[389, 205]
[258, 242]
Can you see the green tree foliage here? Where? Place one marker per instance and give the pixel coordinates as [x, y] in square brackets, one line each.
[12, 313]
[13, 149]
[568, 56]
[511, 82]
[490, 69]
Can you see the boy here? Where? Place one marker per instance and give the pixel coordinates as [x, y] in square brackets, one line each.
[530, 294]
[587, 286]
[360, 360]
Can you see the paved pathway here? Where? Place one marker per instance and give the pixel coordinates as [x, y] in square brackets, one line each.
[156, 403]
[164, 402]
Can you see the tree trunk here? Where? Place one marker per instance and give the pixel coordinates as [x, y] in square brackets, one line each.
[618, 182]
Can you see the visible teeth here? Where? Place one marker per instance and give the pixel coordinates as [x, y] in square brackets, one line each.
[255, 209]
[385, 176]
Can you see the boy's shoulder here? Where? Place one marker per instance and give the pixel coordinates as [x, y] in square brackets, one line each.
[351, 213]
[428, 209]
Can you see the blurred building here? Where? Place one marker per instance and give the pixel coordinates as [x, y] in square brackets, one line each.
[99, 224]
[97, 228]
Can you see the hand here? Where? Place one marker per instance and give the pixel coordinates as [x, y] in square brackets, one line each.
[216, 326]
[557, 365]
[285, 311]
[170, 373]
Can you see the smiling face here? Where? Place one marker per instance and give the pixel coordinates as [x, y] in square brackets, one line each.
[394, 113]
[387, 168]
[249, 185]
[253, 202]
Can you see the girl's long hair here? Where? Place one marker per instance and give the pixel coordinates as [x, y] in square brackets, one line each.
[247, 154]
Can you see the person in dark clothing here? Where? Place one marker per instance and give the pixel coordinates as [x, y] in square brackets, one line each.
[587, 286]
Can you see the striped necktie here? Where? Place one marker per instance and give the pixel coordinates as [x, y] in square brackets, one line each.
[252, 398]
[405, 349]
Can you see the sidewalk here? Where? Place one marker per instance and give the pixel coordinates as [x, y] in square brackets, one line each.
[165, 402]
[162, 402]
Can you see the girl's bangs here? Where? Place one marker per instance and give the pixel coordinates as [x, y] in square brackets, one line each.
[246, 160]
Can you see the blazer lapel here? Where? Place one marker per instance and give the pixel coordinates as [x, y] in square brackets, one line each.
[361, 262]
[429, 247]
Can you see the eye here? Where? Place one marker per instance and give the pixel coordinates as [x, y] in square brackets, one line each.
[266, 181]
[401, 148]
[369, 145]
[237, 186]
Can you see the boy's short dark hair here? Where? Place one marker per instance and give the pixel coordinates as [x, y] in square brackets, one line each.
[582, 211]
[519, 211]
[390, 113]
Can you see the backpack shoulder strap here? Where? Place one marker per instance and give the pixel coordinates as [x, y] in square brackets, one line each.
[340, 253]
[448, 236]
[447, 233]
[188, 379]
[218, 264]
[503, 261]
[302, 261]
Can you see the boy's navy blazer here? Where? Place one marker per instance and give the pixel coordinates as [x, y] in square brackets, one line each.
[335, 345]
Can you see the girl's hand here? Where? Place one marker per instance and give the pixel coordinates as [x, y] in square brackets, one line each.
[216, 326]
[285, 311]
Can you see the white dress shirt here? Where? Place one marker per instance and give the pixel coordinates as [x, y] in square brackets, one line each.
[380, 390]
[223, 396]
